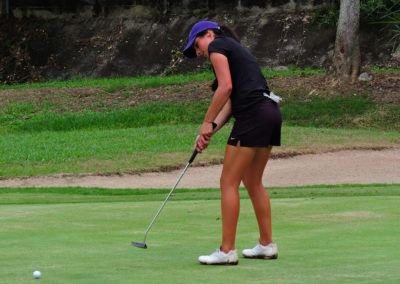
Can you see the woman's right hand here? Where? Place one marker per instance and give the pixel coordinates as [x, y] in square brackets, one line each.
[206, 132]
[201, 144]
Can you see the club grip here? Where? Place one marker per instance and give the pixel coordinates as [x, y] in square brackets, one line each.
[193, 156]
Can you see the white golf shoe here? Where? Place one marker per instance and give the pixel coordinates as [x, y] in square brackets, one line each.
[259, 251]
[220, 258]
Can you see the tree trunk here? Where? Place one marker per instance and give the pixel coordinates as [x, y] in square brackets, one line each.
[165, 6]
[347, 57]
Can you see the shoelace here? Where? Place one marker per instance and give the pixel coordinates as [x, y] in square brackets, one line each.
[217, 252]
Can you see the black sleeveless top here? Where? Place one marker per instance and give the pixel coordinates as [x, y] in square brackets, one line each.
[248, 82]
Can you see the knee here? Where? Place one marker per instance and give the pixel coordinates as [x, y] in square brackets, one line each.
[252, 185]
[226, 183]
[249, 182]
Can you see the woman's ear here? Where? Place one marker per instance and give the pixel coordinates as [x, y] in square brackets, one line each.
[210, 34]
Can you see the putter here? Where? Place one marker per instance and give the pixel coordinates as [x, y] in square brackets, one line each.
[143, 245]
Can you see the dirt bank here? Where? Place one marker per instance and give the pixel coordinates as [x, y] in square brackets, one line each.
[139, 41]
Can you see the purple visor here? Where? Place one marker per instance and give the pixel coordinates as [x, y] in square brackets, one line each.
[201, 26]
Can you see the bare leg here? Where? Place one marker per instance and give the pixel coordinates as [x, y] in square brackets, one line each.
[236, 161]
[252, 180]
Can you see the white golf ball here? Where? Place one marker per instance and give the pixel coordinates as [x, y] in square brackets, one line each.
[37, 274]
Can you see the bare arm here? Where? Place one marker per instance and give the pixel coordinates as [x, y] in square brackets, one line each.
[222, 93]
[223, 115]
[221, 96]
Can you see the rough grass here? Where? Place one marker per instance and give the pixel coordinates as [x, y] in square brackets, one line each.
[50, 195]
[309, 99]
[114, 126]
[136, 150]
[146, 81]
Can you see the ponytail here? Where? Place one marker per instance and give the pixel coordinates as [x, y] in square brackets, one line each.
[225, 31]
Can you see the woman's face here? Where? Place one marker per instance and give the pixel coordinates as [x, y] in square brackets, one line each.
[201, 43]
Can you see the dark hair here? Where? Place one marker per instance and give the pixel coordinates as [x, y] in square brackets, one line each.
[225, 31]
[222, 31]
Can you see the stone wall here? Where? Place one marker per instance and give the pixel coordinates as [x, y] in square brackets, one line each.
[136, 40]
[92, 8]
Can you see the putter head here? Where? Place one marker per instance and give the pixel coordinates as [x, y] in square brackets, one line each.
[139, 245]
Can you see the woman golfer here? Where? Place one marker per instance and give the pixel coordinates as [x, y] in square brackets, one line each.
[241, 91]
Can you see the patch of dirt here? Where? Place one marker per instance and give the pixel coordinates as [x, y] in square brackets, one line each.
[65, 99]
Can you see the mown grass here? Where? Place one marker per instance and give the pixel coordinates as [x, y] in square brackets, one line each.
[320, 239]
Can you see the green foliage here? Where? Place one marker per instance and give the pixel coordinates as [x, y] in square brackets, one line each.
[370, 11]
[327, 16]
[385, 13]
[376, 10]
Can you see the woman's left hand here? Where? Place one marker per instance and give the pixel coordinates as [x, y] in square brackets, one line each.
[206, 132]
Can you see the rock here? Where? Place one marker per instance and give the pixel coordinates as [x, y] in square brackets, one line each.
[396, 54]
[313, 92]
[281, 68]
[365, 77]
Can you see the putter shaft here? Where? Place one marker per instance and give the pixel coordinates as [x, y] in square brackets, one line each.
[143, 245]
[165, 201]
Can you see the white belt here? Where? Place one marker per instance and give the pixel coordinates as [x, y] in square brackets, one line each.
[273, 97]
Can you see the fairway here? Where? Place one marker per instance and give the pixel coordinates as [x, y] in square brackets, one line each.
[343, 239]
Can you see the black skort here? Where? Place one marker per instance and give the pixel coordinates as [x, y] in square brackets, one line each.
[260, 127]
